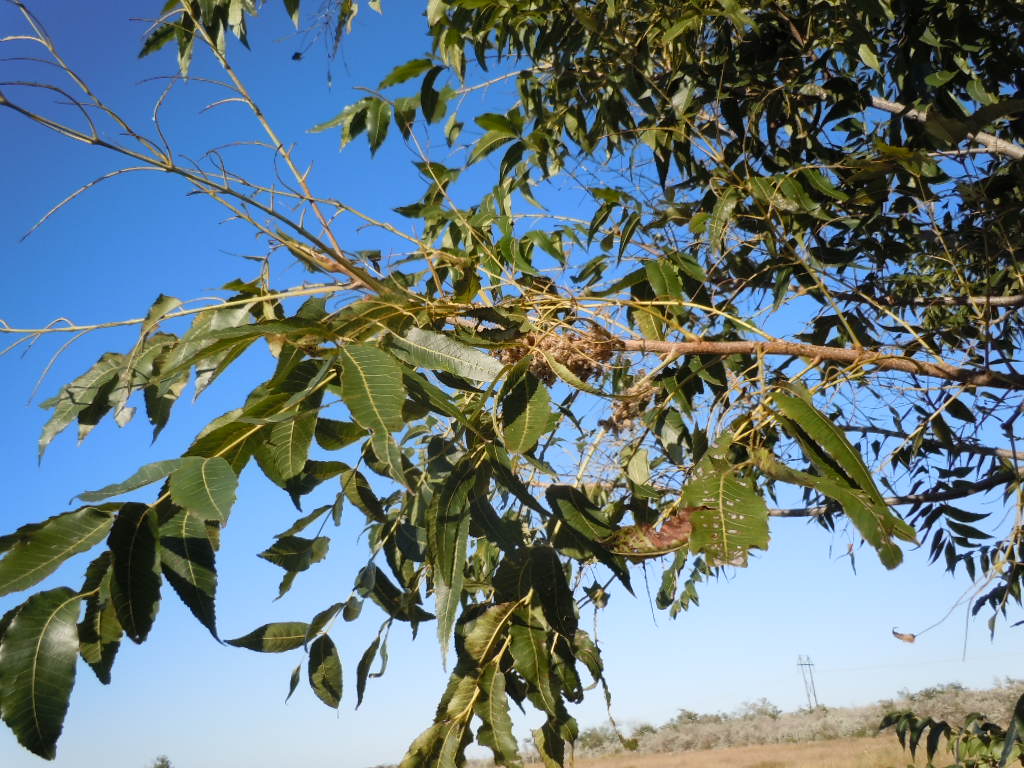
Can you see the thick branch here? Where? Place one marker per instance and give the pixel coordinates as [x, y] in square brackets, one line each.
[994, 143]
[934, 301]
[973, 377]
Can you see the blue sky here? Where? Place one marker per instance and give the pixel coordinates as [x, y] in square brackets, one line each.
[108, 254]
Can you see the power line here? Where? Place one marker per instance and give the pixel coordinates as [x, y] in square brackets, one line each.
[807, 672]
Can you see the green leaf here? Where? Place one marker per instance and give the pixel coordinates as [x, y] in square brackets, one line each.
[322, 619]
[293, 682]
[371, 386]
[532, 659]
[363, 669]
[538, 571]
[144, 476]
[867, 55]
[135, 569]
[447, 534]
[721, 215]
[296, 553]
[283, 455]
[843, 475]
[159, 308]
[730, 516]
[38, 652]
[404, 606]
[358, 491]
[291, 7]
[99, 631]
[334, 435]
[205, 348]
[487, 143]
[325, 671]
[378, 119]
[187, 560]
[491, 707]
[438, 352]
[485, 635]
[205, 487]
[273, 638]
[525, 413]
[84, 399]
[579, 512]
[406, 71]
[36, 550]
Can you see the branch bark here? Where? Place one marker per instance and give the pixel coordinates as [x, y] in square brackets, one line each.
[994, 143]
[973, 377]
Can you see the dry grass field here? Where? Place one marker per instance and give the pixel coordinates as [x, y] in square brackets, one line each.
[870, 752]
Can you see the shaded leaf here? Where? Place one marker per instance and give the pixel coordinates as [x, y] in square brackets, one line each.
[325, 671]
[363, 669]
[187, 561]
[37, 659]
[273, 638]
[135, 569]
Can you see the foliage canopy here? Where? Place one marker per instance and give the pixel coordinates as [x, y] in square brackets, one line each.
[795, 265]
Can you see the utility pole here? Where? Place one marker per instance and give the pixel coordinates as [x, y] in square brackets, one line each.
[807, 672]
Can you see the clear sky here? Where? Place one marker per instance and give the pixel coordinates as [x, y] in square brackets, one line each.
[108, 254]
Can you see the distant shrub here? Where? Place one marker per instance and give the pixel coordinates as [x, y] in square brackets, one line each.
[761, 722]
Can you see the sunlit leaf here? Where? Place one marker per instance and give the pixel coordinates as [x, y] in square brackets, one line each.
[205, 487]
[429, 349]
[525, 413]
[371, 385]
[36, 550]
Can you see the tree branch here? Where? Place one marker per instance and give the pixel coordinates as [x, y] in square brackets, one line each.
[973, 377]
[994, 143]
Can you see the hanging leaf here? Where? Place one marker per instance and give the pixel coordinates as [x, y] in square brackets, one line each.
[842, 476]
[295, 553]
[187, 561]
[135, 569]
[325, 671]
[447, 534]
[378, 119]
[491, 707]
[36, 550]
[273, 638]
[99, 631]
[334, 435]
[363, 669]
[322, 619]
[525, 413]
[38, 652]
[84, 399]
